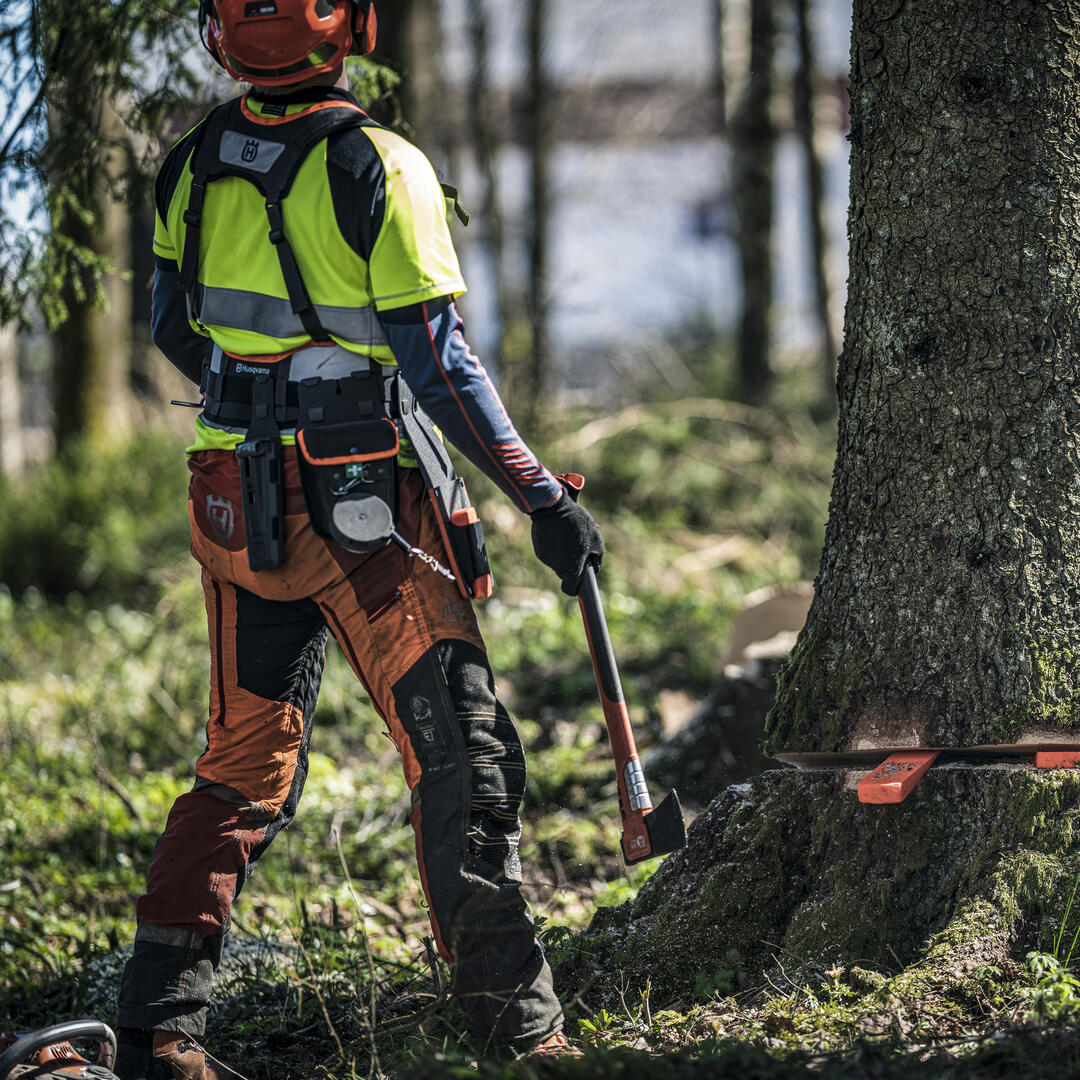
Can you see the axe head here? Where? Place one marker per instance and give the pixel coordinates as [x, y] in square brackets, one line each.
[665, 828]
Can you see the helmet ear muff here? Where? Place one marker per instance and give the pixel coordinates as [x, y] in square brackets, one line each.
[206, 14]
[365, 27]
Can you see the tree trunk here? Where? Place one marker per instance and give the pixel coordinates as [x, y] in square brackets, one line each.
[719, 73]
[804, 98]
[485, 146]
[945, 609]
[11, 436]
[92, 345]
[409, 39]
[540, 110]
[753, 139]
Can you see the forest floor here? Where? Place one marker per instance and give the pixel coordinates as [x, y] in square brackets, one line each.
[330, 971]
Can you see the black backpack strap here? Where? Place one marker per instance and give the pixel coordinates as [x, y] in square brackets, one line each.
[200, 168]
[299, 299]
[305, 134]
[189, 260]
[316, 127]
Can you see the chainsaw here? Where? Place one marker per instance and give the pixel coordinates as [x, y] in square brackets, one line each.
[49, 1053]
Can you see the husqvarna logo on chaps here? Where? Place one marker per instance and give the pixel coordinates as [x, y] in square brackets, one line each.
[220, 512]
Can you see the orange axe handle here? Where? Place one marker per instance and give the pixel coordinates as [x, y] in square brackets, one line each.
[635, 805]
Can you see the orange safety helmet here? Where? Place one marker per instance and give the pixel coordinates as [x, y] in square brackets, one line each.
[278, 42]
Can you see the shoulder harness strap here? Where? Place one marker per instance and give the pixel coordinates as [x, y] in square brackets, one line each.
[231, 143]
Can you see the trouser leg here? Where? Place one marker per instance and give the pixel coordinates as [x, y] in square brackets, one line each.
[465, 817]
[266, 664]
[420, 655]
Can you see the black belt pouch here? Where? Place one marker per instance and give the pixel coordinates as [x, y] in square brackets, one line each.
[350, 480]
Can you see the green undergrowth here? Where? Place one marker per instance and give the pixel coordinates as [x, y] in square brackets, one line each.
[103, 688]
[102, 525]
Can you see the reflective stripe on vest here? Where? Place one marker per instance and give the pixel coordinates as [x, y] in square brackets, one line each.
[259, 313]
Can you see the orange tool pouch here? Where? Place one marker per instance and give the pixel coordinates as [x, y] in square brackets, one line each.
[463, 536]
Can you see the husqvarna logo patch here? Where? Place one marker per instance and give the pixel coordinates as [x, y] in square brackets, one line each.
[249, 369]
[248, 152]
[219, 511]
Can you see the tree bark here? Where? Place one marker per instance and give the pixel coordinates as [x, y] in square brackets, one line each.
[945, 609]
[753, 139]
[804, 98]
[975, 869]
[541, 129]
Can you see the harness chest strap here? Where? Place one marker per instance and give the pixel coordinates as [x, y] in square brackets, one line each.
[230, 144]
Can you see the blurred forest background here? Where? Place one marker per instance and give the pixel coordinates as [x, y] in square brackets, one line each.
[656, 262]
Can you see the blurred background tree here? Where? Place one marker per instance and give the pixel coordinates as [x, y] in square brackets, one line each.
[753, 145]
[87, 85]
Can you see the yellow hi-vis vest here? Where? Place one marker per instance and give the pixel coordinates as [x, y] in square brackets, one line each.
[236, 275]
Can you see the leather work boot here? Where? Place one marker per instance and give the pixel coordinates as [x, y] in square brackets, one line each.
[166, 1055]
[557, 1045]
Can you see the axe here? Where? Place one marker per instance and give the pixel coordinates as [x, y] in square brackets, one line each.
[646, 831]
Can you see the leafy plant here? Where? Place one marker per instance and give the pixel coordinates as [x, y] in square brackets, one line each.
[708, 985]
[1056, 988]
[600, 1023]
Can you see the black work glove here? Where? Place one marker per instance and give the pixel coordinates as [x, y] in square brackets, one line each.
[566, 538]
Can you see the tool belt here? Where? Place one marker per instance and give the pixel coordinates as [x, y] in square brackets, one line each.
[349, 415]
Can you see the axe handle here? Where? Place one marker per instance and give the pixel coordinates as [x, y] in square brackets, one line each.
[634, 800]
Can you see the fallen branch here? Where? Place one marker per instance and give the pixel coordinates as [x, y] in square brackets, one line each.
[688, 409]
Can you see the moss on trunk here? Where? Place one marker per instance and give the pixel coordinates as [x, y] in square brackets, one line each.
[974, 868]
